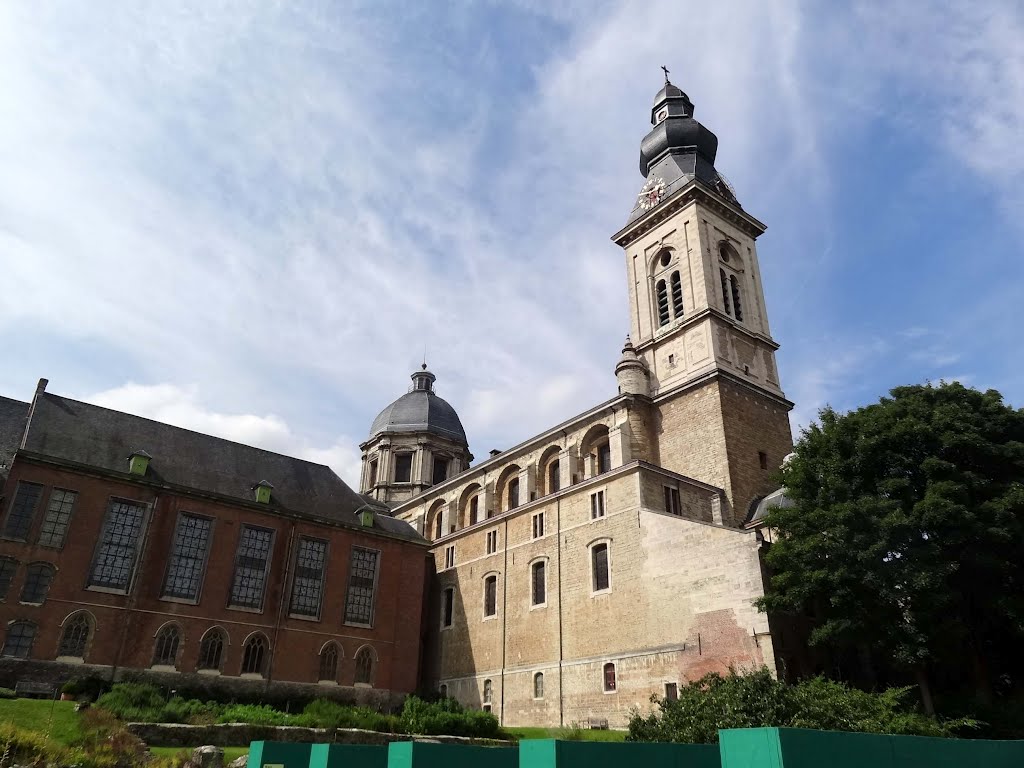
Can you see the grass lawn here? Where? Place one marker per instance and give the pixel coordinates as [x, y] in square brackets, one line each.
[230, 753]
[586, 734]
[34, 715]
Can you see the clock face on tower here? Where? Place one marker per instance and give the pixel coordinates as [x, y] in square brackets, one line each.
[652, 193]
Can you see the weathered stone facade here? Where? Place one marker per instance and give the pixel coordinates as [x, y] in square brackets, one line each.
[641, 575]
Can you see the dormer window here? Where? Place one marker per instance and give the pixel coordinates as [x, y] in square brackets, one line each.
[138, 462]
[263, 490]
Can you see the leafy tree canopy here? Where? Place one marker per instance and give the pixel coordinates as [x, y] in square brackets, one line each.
[906, 534]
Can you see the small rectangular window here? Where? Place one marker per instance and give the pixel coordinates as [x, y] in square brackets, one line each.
[490, 596]
[58, 517]
[373, 473]
[604, 458]
[554, 476]
[672, 691]
[118, 548]
[308, 582]
[188, 557]
[539, 589]
[538, 525]
[362, 586]
[492, 542]
[762, 458]
[672, 503]
[513, 493]
[252, 560]
[449, 556]
[22, 511]
[447, 607]
[403, 467]
[474, 510]
[609, 677]
[599, 565]
[596, 505]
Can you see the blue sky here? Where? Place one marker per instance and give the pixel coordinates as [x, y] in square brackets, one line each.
[252, 218]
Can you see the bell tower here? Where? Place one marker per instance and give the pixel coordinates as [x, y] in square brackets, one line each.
[698, 317]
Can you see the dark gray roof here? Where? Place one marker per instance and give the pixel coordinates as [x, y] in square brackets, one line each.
[420, 411]
[12, 426]
[759, 507]
[77, 432]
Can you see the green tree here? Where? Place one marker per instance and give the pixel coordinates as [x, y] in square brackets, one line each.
[906, 533]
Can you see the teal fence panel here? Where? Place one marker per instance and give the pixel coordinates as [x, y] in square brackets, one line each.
[348, 756]
[415, 754]
[551, 753]
[279, 754]
[803, 748]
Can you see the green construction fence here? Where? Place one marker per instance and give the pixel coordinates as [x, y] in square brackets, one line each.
[550, 753]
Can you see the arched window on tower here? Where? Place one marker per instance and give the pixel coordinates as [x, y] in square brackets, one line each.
[737, 307]
[725, 292]
[328, 663]
[677, 295]
[364, 666]
[254, 656]
[211, 650]
[662, 293]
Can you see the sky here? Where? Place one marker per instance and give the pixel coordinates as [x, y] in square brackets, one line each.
[254, 219]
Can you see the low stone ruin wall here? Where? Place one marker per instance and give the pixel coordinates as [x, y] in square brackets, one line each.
[237, 734]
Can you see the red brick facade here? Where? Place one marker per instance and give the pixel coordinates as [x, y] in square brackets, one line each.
[125, 626]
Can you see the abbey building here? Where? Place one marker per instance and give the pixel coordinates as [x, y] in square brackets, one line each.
[608, 558]
[567, 579]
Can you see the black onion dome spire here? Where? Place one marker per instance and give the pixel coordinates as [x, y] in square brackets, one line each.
[678, 149]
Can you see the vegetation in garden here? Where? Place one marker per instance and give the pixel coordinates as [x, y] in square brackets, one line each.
[757, 699]
[143, 702]
[572, 732]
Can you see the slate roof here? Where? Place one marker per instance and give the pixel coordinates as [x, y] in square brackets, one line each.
[81, 433]
[759, 507]
[12, 426]
[419, 411]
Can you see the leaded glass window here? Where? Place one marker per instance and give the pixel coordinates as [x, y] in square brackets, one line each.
[18, 642]
[211, 649]
[58, 517]
[37, 583]
[188, 557]
[116, 553]
[75, 638]
[165, 652]
[254, 656]
[329, 662]
[23, 509]
[251, 564]
[8, 566]
[307, 588]
[362, 583]
[364, 666]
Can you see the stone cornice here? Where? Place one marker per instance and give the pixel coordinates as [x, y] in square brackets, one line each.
[695, 191]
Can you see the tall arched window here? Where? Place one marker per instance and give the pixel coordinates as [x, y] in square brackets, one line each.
[609, 677]
[513, 493]
[165, 652]
[725, 292]
[329, 663]
[488, 691]
[677, 295]
[37, 583]
[254, 656]
[364, 666]
[75, 638]
[737, 307]
[211, 649]
[539, 583]
[538, 685]
[662, 293]
[18, 643]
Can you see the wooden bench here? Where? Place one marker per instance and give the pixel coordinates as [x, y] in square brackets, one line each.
[597, 723]
[29, 689]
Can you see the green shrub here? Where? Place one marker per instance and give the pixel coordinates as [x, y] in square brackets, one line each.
[89, 687]
[255, 714]
[134, 702]
[323, 713]
[7, 693]
[446, 717]
[759, 700]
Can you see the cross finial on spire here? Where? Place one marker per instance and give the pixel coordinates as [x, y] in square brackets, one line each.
[665, 70]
